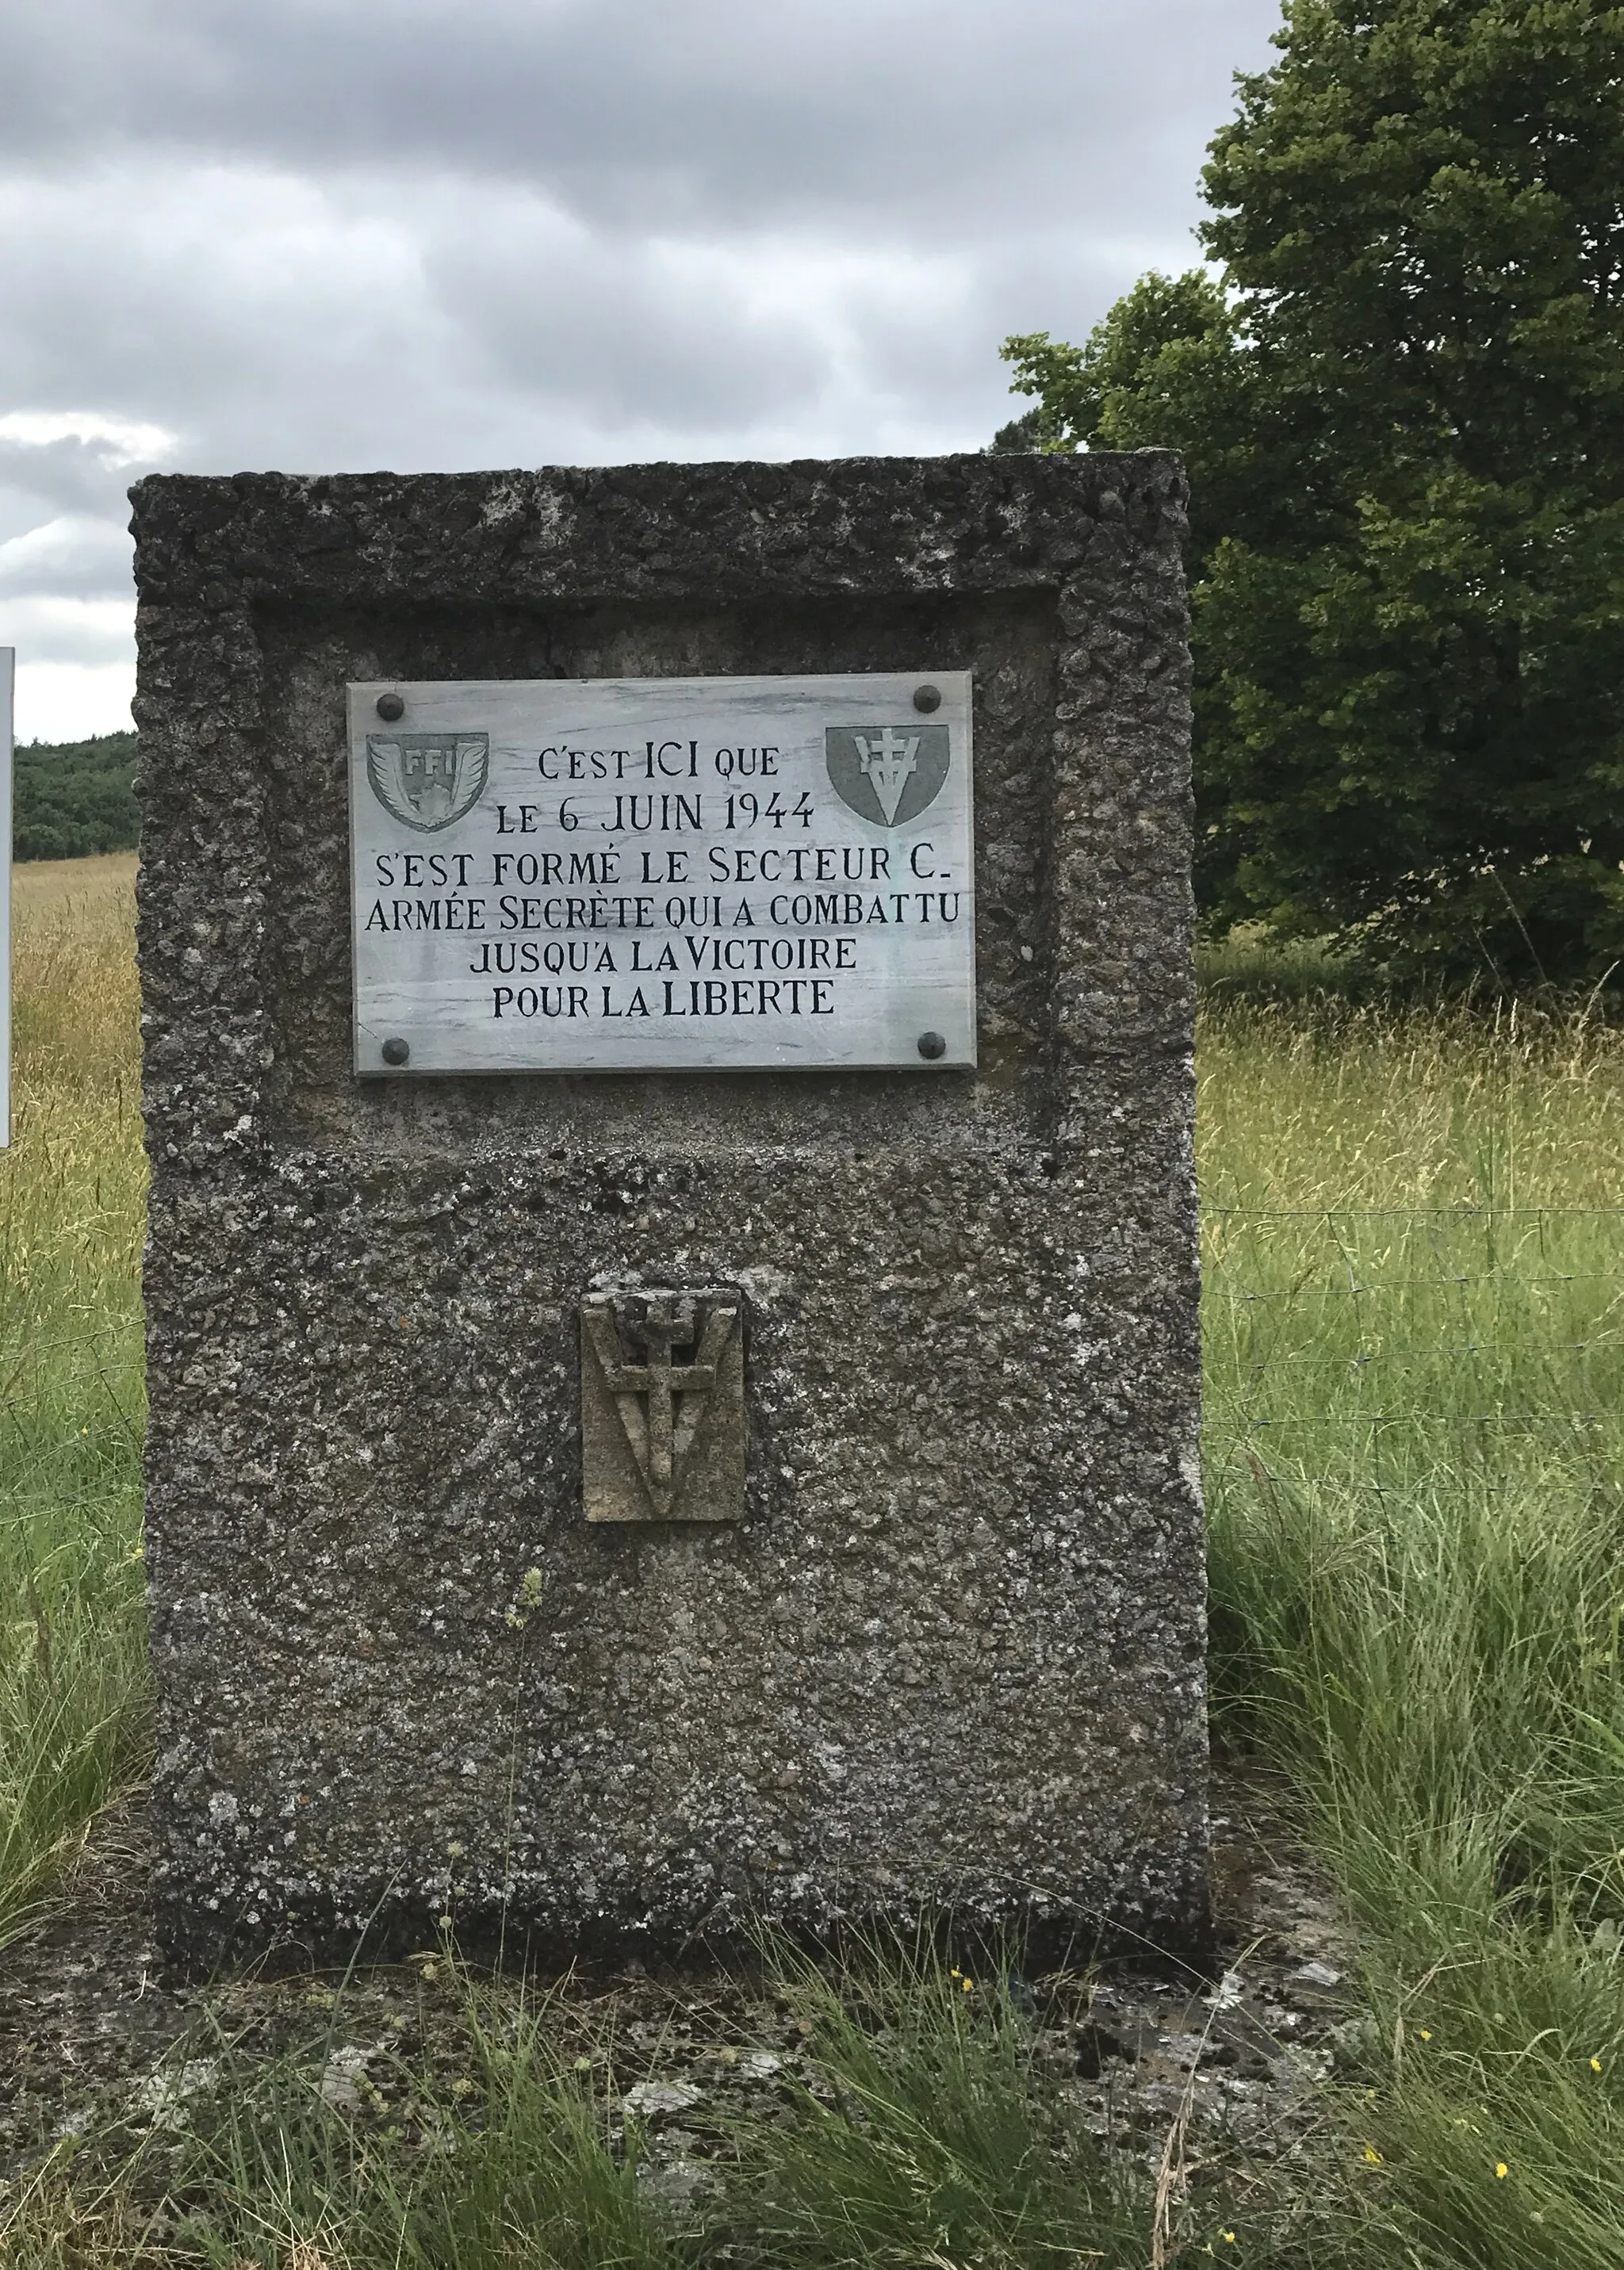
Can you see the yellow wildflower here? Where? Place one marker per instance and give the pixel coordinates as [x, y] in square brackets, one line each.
[1595, 2065]
[1373, 2155]
[1501, 2169]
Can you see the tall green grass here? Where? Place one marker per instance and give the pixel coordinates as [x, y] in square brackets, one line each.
[510, 2164]
[928, 2142]
[73, 1710]
[1415, 1365]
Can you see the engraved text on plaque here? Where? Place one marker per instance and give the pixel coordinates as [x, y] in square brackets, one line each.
[661, 874]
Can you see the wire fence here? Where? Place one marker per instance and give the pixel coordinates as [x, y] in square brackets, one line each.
[1339, 1330]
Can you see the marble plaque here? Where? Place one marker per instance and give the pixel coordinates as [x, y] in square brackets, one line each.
[661, 874]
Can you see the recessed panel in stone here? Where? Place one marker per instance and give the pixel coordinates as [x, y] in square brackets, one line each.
[663, 874]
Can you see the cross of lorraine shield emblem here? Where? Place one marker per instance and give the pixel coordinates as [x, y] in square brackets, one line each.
[889, 777]
[427, 779]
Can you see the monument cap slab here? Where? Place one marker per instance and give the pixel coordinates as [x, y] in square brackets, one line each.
[616, 1490]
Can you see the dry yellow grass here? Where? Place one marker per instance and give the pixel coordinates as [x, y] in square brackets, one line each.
[98, 893]
[76, 1005]
[1329, 1104]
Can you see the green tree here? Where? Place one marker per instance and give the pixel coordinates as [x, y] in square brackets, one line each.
[1401, 397]
[73, 798]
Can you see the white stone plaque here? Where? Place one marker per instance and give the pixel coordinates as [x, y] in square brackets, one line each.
[663, 874]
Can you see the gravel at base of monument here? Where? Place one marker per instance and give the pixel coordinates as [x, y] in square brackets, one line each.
[96, 2034]
[951, 1653]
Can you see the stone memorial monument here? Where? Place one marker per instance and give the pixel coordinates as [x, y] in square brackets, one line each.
[671, 1289]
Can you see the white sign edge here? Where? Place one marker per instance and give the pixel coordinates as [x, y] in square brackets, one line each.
[8, 680]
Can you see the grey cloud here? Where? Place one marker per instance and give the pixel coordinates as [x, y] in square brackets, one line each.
[348, 233]
[707, 339]
[78, 558]
[85, 634]
[65, 476]
[322, 325]
[703, 111]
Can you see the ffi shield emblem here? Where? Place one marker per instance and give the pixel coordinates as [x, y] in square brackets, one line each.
[891, 776]
[427, 779]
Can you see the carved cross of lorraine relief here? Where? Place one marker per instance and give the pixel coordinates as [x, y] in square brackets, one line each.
[662, 1440]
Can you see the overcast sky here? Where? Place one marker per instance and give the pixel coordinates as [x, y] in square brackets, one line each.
[327, 235]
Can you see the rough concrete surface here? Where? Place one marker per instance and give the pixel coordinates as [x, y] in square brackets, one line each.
[951, 1653]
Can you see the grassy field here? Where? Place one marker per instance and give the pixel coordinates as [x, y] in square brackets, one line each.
[1414, 1338]
[1414, 1229]
[73, 1712]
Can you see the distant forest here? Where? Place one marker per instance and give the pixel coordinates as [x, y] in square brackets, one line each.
[70, 799]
